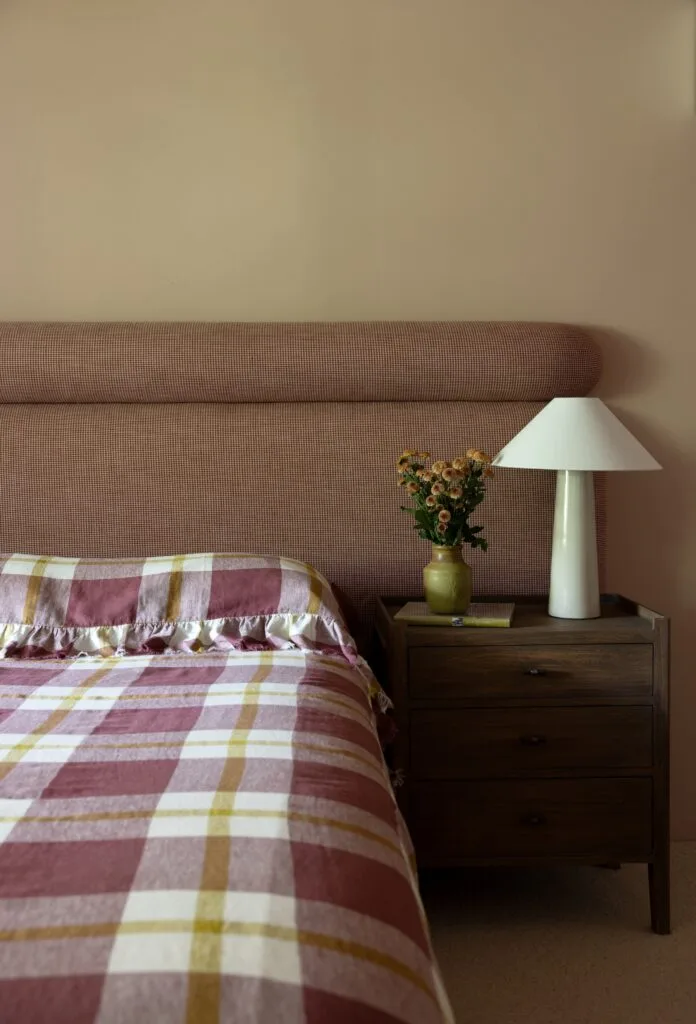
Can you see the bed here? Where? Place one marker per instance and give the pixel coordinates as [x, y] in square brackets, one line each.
[196, 819]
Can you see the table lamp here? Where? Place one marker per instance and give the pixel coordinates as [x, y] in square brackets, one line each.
[575, 436]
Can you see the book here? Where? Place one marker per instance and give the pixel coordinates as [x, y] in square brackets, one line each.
[417, 613]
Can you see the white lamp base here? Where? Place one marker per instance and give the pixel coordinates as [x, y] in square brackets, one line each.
[574, 586]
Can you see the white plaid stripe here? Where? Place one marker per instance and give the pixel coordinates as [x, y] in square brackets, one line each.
[28, 748]
[157, 566]
[276, 744]
[260, 956]
[185, 562]
[189, 814]
[232, 695]
[167, 918]
[198, 563]
[11, 811]
[97, 698]
[151, 950]
[133, 664]
[272, 694]
[53, 568]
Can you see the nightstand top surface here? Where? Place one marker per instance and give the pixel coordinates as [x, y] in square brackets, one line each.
[621, 620]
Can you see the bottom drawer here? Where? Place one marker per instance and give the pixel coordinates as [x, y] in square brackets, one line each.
[593, 818]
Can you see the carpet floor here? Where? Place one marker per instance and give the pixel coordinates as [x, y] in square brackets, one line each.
[564, 946]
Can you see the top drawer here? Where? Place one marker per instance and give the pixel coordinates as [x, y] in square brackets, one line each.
[559, 670]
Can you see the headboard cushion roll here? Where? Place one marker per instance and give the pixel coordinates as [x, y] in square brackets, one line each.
[295, 362]
[144, 439]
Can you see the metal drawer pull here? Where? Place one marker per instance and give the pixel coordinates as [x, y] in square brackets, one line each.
[533, 819]
[533, 741]
[535, 672]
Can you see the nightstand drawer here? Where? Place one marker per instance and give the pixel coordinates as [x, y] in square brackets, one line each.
[497, 742]
[506, 819]
[564, 670]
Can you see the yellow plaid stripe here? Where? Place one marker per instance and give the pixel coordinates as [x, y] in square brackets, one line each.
[33, 587]
[214, 812]
[203, 1004]
[293, 695]
[215, 929]
[316, 590]
[209, 658]
[235, 741]
[19, 750]
[176, 580]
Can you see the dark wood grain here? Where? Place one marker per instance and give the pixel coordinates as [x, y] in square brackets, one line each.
[540, 670]
[659, 870]
[547, 742]
[600, 819]
[500, 742]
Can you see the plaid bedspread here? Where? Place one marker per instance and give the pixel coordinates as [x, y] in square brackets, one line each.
[203, 838]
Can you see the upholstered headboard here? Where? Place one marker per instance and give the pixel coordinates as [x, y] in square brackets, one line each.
[149, 438]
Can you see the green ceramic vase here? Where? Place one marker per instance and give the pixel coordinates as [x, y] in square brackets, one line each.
[447, 581]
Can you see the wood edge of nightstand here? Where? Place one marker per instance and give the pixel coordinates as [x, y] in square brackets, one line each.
[653, 628]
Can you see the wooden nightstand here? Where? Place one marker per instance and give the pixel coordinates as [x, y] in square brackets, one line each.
[544, 742]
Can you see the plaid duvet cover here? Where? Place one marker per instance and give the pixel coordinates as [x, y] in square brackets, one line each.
[203, 838]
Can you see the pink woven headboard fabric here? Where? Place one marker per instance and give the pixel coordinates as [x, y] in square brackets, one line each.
[154, 438]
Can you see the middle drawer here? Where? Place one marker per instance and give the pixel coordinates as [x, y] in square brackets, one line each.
[496, 742]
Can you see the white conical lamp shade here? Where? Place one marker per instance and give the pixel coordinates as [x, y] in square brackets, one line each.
[575, 434]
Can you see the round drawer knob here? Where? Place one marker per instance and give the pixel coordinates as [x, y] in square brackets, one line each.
[534, 820]
[535, 672]
[533, 741]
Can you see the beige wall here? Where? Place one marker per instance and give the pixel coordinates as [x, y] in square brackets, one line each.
[288, 159]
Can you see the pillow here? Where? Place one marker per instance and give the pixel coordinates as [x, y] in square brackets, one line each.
[61, 607]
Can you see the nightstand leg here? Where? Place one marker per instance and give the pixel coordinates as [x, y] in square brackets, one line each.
[658, 877]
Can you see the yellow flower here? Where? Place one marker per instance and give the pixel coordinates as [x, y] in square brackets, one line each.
[476, 455]
[431, 501]
[408, 454]
[448, 473]
[412, 488]
[437, 467]
[401, 463]
[423, 455]
[459, 463]
[455, 492]
[444, 516]
[425, 476]
[437, 488]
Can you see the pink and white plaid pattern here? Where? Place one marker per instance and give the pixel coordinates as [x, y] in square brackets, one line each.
[203, 838]
[60, 607]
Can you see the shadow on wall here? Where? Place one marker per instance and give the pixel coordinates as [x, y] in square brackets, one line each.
[650, 514]
[651, 544]
[628, 368]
